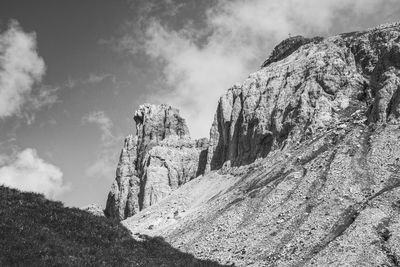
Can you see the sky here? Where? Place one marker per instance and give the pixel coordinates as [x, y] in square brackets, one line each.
[72, 73]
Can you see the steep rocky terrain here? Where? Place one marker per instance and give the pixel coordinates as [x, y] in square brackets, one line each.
[303, 162]
[157, 160]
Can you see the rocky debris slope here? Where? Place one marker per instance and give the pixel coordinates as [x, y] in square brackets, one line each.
[308, 151]
[159, 159]
[331, 201]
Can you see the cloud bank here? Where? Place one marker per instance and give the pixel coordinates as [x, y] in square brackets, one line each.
[21, 68]
[202, 59]
[28, 172]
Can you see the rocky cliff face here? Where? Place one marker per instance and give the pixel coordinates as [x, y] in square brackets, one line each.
[159, 159]
[307, 159]
[305, 87]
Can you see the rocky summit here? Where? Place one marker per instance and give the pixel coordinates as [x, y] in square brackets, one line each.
[302, 167]
[157, 160]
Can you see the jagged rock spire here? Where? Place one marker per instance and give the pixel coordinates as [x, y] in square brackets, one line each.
[158, 159]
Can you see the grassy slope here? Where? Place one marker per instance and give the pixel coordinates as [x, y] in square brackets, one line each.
[35, 231]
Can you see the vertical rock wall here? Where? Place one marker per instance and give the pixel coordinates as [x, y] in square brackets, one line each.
[306, 86]
[159, 159]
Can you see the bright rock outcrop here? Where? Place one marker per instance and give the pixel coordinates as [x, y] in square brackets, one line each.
[157, 160]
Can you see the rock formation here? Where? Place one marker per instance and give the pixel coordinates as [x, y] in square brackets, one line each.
[94, 209]
[306, 155]
[159, 159]
[306, 86]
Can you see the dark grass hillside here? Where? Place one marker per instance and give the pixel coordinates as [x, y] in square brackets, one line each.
[35, 231]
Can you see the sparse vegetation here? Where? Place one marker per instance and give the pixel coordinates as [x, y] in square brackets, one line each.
[35, 231]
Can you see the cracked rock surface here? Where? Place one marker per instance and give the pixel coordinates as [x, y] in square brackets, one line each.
[307, 85]
[303, 163]
[157, 160]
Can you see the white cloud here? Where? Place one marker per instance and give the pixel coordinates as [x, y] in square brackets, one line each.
[105, 162]
[21, 68]
[28, 172]
[200, 63]
[103, 122]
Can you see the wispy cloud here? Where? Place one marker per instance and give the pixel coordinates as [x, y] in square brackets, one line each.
[202, 58]
[104, 164]
[92, 80]
[97, 78]
[28, 172]
[105, 124]
[21, 71]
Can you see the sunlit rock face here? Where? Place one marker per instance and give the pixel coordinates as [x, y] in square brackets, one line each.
[306, 155]
[157, 160]
[307, 86]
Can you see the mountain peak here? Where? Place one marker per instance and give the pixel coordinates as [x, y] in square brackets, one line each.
[303, 161]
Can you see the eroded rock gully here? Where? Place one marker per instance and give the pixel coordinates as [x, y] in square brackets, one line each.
[303, 162]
